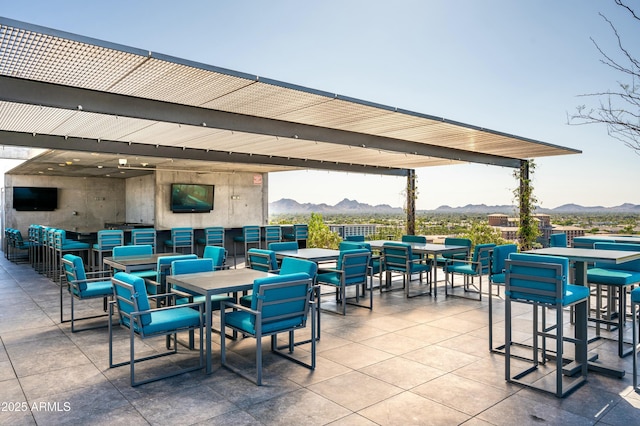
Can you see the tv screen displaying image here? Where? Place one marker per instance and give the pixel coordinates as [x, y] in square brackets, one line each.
[29, 198]
[191, 198]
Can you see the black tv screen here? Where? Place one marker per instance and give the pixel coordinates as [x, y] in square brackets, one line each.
[29, 198]
[191, 198]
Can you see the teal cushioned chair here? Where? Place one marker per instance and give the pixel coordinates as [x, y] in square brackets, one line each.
[163, 268]
[262, 260]
[497, 277]
[217, 254]
[399, 258]
[213, 236]
[194, 266]
[132, 251]
[181, 239]
[290, 265]
[283, 246]
[144, 236]
[82, 285]
[352, 270]
[617, 277]
[299, 235]
[280, 304]
[454, 241]
[107, 240]
[272, 234]
[478, 266]
[63, 245]
[136, 315]
[375, 264]
[541, 281]
[356, 238]
[250, 237]
[558, 240]
[185, 296]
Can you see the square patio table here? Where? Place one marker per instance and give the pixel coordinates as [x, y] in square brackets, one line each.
[429, 249]
[134, 263]
[216, 282]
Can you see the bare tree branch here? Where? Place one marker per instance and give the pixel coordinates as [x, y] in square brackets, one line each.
[619, 110]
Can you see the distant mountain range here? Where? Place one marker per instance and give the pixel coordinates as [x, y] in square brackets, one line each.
[347, 206]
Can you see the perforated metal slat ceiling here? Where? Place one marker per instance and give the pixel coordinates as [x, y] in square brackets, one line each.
[41, 54]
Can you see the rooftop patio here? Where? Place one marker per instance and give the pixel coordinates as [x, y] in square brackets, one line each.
[409, 361]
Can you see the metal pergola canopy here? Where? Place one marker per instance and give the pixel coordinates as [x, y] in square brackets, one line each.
[71, 93]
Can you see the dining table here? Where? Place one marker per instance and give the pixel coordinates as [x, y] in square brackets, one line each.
[216, 282]
[428, 249]
[581, 257]
[317, 255]
[134, 263]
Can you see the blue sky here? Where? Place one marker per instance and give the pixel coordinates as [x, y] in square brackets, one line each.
[513, 66]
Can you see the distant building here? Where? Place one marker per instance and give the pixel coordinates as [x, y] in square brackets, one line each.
[354, 229]
[508, 227]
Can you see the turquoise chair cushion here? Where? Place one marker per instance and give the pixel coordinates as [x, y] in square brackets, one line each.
[215, 253]
[139, 250]
[420, 239]
[139, 291]
[286, 245]
[291, 265]
[257, 259]
[635, 295]
[75, 245]
[500, 254]
[171, 319]
[462, 268]
[393, 248]
[97, 289]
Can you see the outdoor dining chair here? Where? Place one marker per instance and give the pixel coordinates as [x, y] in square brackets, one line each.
[476, 267]
[352, 270]
[135, 314]
[280, 304]
[399, 258]
[82, 285]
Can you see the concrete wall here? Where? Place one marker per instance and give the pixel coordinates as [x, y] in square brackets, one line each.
[140, 199]
[94, 201]
[239, 199]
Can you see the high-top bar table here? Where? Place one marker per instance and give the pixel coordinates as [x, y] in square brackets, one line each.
[581, 258]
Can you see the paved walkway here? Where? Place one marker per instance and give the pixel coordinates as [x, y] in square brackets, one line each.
[417, 361]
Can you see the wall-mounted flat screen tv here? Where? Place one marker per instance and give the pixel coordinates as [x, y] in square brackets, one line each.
[30, 198]
[191, 198]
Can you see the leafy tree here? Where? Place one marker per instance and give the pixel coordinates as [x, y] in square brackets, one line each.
[320, 235]
[482, 233]
[619, 109]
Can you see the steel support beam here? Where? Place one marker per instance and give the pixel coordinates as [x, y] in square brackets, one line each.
[72, 98]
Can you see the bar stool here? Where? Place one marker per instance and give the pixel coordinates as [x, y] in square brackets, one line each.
[107, 240]
[272, 234]
[213, 236]
[541, 281]
[250, 235]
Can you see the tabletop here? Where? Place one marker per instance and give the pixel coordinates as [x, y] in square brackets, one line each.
[589, 255]
[430, 248]
[129, 263]
[218, 282]
[312, 254]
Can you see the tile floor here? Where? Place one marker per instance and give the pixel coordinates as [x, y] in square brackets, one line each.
[418, 361]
